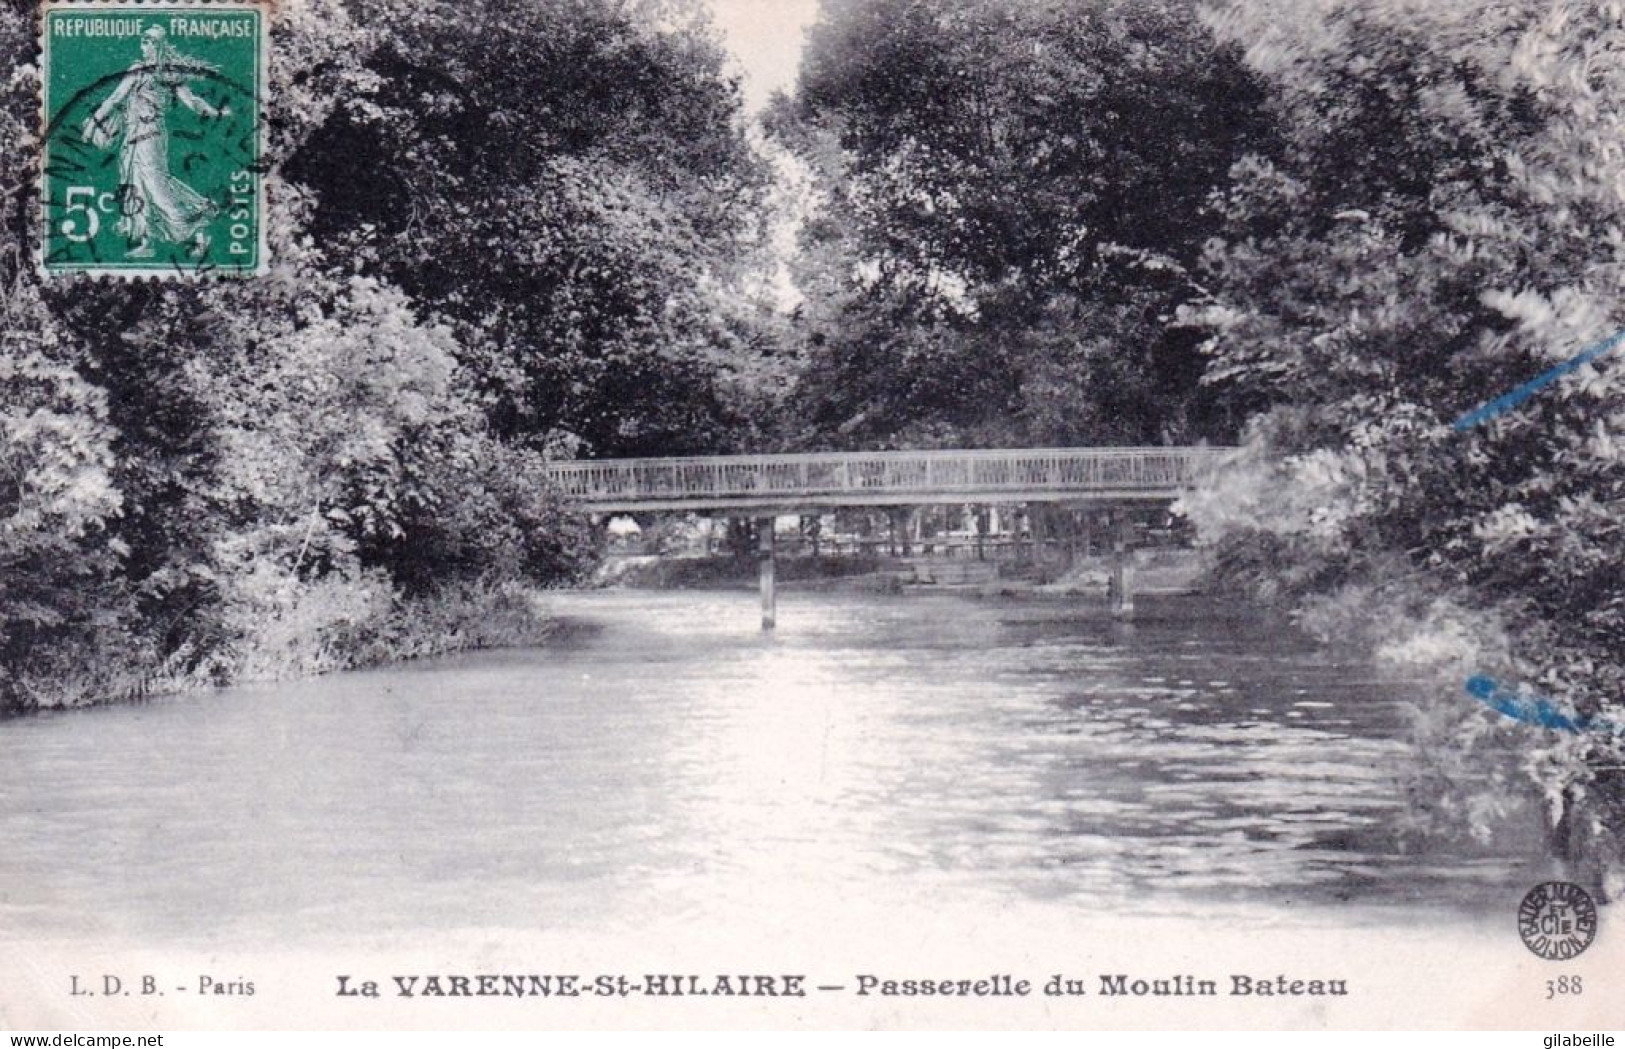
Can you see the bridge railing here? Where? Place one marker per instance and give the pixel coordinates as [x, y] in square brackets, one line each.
[838, 473]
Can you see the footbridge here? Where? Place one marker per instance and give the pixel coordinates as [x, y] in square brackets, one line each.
[762, 486]
[791, 483]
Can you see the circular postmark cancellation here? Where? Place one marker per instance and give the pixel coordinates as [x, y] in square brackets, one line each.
[1557, 920]
[152, 147]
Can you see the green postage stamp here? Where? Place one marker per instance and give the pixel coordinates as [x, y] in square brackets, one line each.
[152, 146]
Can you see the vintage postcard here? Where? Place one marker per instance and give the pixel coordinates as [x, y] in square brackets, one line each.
[812, 514]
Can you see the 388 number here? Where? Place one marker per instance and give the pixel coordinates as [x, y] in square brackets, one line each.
[1562, 985]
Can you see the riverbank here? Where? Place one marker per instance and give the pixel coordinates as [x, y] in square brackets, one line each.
[1160, 572]
[650, 572]
[341, 625]
[318, 630]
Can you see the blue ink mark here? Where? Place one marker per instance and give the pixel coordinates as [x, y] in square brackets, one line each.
[1531, 710]
[1528, 389]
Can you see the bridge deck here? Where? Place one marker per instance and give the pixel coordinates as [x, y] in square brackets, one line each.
[788, 483]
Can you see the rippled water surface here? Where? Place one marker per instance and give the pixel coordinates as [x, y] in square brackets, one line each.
[662, 757]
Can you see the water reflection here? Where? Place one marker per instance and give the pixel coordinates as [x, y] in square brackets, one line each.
[664, 758]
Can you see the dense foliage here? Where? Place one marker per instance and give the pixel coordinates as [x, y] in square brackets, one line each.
[1442, 220]
[1014, 199]
[494, 239]
[568, 176]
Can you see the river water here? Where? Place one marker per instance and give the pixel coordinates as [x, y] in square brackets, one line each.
[663, 758]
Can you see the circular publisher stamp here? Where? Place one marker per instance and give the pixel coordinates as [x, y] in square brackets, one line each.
[1557, 920]
[151, 160]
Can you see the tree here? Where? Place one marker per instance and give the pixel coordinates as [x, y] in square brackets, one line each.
[57, 498]
[484, 250]
[1441, 223]
[1016, 200]
[570, 187]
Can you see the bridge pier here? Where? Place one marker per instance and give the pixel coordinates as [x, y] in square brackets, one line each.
[764, 552]
[1120, 586]
[901, 527]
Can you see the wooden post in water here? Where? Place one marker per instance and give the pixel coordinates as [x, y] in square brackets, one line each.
[764, 552]
[1120, 589]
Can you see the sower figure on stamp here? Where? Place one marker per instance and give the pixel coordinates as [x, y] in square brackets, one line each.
[154, 204]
